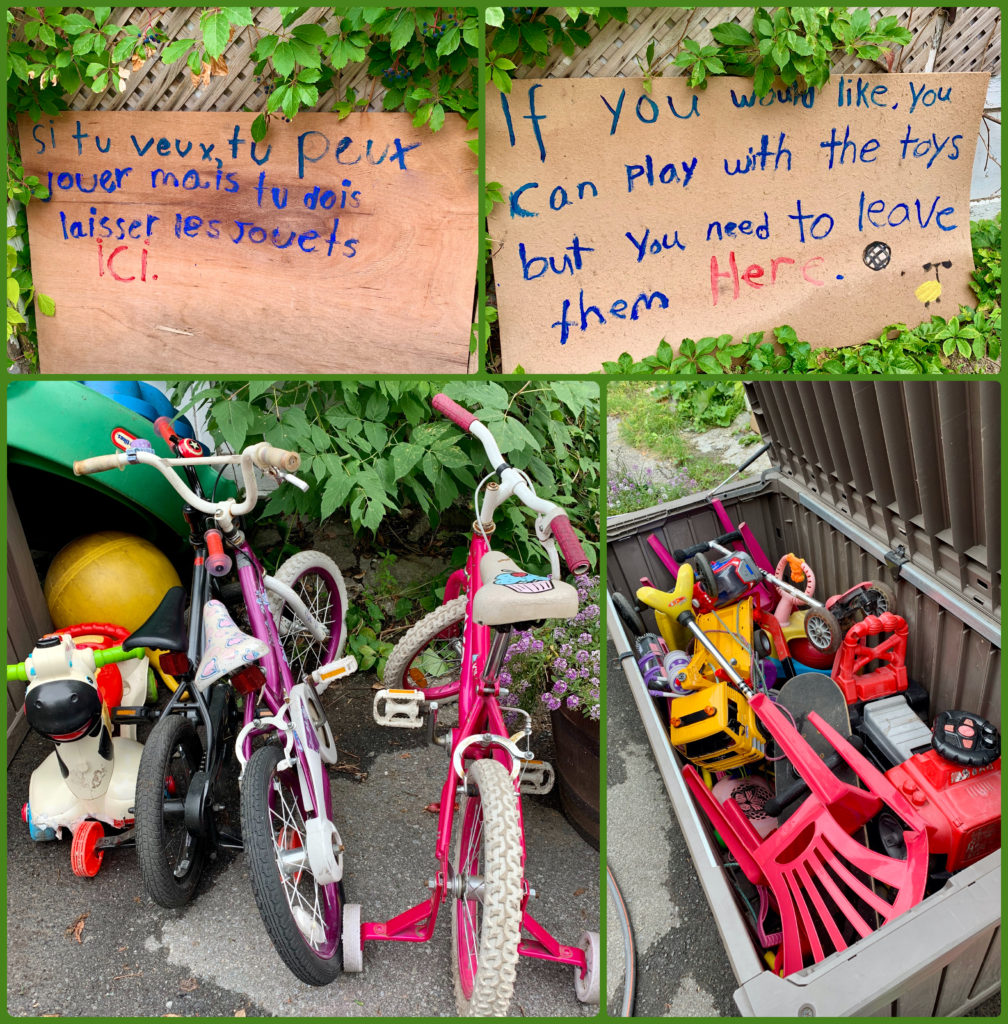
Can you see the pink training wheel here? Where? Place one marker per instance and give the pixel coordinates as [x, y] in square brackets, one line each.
[84, 858]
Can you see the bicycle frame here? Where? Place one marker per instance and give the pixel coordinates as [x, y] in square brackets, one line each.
[279, 682]
[479, 714]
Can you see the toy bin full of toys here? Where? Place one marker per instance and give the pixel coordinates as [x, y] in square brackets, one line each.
[830, 708]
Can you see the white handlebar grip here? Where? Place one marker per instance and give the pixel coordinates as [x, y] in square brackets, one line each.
[99, 463]
[268, 457]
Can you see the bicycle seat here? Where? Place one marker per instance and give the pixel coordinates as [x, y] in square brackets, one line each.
[510, 595]
[227, 647]
[165, 629]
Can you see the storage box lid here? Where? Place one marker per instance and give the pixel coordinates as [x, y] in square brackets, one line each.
[915, 464]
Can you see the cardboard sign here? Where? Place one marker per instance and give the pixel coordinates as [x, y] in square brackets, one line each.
[173, 243]
[630, 217]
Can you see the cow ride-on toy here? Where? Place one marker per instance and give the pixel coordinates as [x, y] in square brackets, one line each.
[89, 781]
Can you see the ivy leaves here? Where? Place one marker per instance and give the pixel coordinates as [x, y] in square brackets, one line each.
[795, 44]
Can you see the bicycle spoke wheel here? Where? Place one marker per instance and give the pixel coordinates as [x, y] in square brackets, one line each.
[430, 653]
[303, 917]
[171, 857]
[316, 579]
[487, 892]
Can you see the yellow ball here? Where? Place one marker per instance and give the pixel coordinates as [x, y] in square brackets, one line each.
[107, 577]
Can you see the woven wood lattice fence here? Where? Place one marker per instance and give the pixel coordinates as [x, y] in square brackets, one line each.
[968, 42]
[971, 41]
[156, 86]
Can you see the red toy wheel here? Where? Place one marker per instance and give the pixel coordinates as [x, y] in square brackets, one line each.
[84, 859]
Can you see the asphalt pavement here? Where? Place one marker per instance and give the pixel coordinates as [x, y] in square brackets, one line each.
[129, 957]
[682, 970]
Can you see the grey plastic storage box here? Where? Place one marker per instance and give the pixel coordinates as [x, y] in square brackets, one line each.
[898, 482]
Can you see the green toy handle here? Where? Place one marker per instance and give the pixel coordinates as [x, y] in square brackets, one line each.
[112, 654]
[18, 672]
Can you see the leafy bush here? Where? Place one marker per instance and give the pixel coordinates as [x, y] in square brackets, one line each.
[372, 448]
[524, 36]
[795, 44]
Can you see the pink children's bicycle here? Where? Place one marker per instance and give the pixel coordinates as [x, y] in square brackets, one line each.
[456, 652]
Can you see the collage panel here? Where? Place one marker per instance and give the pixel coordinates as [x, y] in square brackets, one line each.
[753, 190]
[804, 702]
[316, 164]
[353, 604]
[364, 367]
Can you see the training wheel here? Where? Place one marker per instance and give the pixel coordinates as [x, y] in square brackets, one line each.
[587, 988]
[84, 859]
[353, 954]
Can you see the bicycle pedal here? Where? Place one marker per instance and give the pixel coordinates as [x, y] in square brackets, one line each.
[537, 778]
[329, 673]
[398, 709]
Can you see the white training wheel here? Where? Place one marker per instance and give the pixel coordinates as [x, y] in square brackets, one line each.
[353, 953]
[587, 988]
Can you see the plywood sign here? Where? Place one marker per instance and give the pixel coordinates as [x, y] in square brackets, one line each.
[172, 242]
[630, 217]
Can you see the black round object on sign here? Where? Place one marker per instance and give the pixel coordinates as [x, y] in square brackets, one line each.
[876, 255]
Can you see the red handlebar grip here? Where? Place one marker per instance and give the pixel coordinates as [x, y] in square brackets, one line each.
[164, 428]
[450, 408]
[577, 560]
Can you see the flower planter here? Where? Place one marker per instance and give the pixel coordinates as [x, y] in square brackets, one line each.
[577, 770]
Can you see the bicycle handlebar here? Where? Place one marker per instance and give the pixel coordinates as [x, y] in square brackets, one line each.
[558, 522]
[268, 457]
[263, 455]
[164, 429]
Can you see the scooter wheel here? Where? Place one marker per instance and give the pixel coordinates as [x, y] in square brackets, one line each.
[84, 858]
[822, 630]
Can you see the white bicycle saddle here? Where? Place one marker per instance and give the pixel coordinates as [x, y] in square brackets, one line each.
[227, 647]
[509, 594]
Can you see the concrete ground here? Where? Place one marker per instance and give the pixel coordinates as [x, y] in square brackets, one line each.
[214, 958]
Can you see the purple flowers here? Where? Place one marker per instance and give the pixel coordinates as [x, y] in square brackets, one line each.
[630, 490]
[558, 665]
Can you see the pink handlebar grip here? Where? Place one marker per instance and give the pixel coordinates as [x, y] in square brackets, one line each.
[447, 407]
[576, 559]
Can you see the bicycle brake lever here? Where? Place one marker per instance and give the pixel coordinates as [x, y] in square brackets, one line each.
[290, 478]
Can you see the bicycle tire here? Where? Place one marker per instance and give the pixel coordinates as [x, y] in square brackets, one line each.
[486, 931]
[629, 615]
[406, 668]
[273, 822]
[317, 580]
[171, 756]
